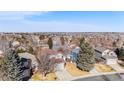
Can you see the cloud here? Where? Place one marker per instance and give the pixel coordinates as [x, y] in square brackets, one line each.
[17, 22]
[16, 15]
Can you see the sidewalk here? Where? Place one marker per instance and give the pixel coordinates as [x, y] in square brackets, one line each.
[63, 75]
[117, 67]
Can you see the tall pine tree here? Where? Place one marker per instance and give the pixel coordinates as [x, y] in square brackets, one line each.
[50, 43]
[12, 66]
[85, 59]
[120, 53]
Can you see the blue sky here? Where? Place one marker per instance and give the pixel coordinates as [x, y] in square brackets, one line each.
[66, 21]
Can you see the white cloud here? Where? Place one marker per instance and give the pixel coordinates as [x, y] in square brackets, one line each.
[14, 21]
[12, 15]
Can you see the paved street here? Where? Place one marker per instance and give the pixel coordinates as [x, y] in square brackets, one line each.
[112, 77]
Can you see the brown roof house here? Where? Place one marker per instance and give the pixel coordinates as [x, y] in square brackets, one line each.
[55, 56]
[59, 60]
[59, 63]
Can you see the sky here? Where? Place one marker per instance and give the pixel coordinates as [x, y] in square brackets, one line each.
[62, 21]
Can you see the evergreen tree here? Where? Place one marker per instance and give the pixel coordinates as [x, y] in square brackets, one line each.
[30, 50]
[120, 53]
[41, 37]
[114, 44]
[12, 65]
[85, 58]
[82, 40]
[62, 40]
[50, 43]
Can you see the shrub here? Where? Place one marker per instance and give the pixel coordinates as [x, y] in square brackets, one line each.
[20, 50]
[30, 50]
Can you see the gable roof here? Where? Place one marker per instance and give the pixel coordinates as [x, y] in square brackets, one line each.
[100, 49]
[57, 60]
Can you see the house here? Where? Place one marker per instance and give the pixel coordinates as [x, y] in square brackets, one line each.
[45, 46]
[15, 44]
[53, 53]
[4, 44]
[59, 63]
[26, 75]
[24, 67]
[58, 58]
[34, 63]
[106, 55]
[1, 54]
[59, 55]
[74, 53]
[26, 63]
[56, 42]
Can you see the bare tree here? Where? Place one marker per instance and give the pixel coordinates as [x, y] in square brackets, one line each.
[45, 65]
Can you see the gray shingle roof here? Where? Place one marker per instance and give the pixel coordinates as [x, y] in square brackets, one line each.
[100, 49]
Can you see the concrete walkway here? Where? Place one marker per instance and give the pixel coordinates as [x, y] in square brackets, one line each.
[117, 67]
[63, 75]
[94, 71]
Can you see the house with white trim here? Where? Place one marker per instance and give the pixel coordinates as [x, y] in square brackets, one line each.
[106, 55]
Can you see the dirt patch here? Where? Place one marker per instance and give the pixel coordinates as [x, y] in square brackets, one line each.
[51, 77]
[74, 71]
[103, 68]
[37, 77]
